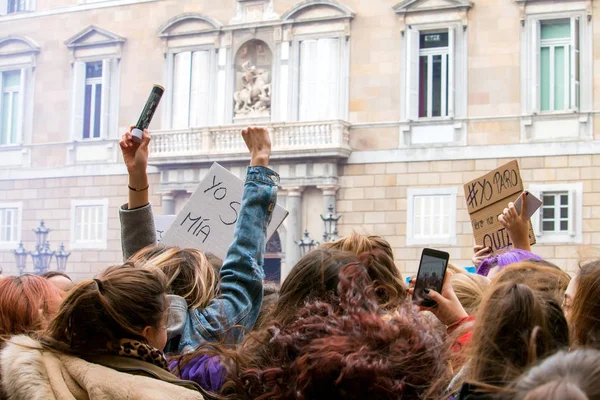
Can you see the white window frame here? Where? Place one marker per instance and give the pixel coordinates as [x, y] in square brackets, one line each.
[11, 245]
[574, 235]
[97, 244]
[579, 84]
[21, 110]
[29, 6]
[341, 91]
[447, 62]
[216, 77]
[449, 239]
[93, 82]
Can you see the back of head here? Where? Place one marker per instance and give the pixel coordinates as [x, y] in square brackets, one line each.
[542, 278]
[564, 375]
[119, 304]
[314, 277]
[348, 352]
[515, 326]
[585, 308]
[505, 259]
[189, 273]
[470, 289]
[380, 265]
[60, 280]
[26, 303]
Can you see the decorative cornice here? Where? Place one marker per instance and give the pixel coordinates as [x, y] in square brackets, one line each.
[346, 11]
[408, 6]
[32, 47]
[111, 38]
[163, 31]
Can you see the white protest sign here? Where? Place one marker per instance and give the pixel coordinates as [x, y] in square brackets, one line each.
[207, 221]
[162, 223]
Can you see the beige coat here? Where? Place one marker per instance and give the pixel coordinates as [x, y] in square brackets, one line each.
[30, 373]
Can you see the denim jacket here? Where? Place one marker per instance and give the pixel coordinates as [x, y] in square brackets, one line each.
[241, 287]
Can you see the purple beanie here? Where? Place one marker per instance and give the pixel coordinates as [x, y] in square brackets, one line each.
[505, 259]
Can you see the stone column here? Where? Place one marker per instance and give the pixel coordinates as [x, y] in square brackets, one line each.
[168, 204]
[329, 199]
[294, 229]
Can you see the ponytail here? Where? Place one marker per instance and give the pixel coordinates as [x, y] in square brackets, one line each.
[118, 304]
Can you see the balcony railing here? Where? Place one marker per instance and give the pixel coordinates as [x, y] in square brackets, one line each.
[289, 140]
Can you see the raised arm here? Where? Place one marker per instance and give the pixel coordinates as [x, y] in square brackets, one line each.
[137, 221]
[241, 286]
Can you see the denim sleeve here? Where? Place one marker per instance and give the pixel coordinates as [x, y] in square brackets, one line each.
[137, 229]
[241, 286]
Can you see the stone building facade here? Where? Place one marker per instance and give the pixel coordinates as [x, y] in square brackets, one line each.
[381, 109]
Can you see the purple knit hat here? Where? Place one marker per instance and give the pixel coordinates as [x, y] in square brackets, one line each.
[505, 259]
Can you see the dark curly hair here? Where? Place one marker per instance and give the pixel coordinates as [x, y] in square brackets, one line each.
[345, 349]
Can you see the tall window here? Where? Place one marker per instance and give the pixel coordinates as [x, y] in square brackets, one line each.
[320, 79]
[10, 105]
[10, 221]
[433, 75]
[555, 212]
[16, 6]
[89, 223]
[92, 111]
[431, 216]
[559, 60]
[191, 80]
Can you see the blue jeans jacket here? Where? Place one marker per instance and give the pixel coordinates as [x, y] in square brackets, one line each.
[241, 288]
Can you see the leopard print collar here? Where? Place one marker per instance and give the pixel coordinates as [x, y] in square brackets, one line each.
[139, 350]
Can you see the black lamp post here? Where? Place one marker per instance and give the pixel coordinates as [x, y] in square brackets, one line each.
[61, 258]
[41, 235]
[306, 244]
[330, 221]
[21, 258]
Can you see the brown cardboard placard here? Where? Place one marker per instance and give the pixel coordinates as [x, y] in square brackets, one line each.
[487, 197]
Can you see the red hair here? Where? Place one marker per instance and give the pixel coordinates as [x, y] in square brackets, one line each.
[21, 299]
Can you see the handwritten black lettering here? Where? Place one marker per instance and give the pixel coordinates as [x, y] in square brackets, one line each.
[231, 205]
[497, 240]
[218, 189]
[505, 180]
[198, 226]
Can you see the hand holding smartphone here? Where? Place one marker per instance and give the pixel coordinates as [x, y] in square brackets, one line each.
[533, 203]
[432, 271]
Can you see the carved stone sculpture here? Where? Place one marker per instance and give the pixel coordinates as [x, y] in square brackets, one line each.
[255, 96]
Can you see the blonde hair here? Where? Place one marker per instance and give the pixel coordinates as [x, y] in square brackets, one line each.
[188, 271]
[469, 289]
[357, 244]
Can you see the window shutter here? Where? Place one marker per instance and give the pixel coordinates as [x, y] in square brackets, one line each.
[77, 100]
[181, 90]
[106, 94]
[167, 122]
[451, 58]
[3, 135]
[3, 7]
[572, 207]
[30, 5]
[199, 87]
[412, 74]
[309, 81]
[535, 66]
[21, 112]
[575, 35]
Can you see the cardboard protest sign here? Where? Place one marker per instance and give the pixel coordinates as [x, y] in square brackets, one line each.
[487, 197]
[162, 223]
[207, 221]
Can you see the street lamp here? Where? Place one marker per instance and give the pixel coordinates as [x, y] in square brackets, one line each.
[306, 244]
[61, 258]
[21, 258]
[45, 258]
[41, 234]
[330, 221]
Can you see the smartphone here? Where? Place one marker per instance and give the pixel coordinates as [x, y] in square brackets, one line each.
[432, 271]
[533, 203]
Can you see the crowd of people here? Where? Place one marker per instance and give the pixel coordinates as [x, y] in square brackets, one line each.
[178, 323]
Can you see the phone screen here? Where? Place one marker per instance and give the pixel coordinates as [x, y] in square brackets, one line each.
[431, 275]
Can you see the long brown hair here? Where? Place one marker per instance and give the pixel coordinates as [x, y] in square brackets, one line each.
[189, 272]
[515, 326]
[118, 304]
[585, 309]
[25, 302]
[387, 279]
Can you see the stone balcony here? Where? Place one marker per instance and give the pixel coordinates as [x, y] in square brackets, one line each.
[298, 140]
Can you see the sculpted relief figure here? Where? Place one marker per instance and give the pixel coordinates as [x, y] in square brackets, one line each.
[255, 95]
